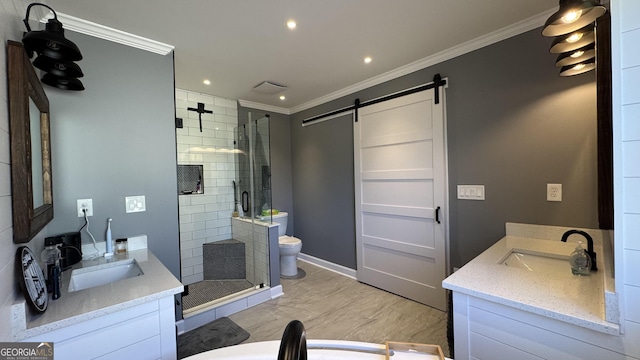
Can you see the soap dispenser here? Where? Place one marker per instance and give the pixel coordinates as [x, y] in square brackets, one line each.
[580, 261]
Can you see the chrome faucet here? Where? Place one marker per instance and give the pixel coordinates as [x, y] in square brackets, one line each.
[589, 250]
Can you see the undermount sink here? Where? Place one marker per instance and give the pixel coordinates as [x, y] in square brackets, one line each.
[98, 275]
[537, 262]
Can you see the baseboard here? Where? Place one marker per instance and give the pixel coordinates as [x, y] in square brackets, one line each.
[342, 270]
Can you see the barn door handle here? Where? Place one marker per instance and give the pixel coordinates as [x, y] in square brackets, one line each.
[438, 214]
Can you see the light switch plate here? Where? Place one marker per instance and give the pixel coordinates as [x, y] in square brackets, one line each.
[471, 192]
[135, 204]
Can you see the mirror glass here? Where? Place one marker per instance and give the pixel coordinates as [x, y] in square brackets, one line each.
[36, 155]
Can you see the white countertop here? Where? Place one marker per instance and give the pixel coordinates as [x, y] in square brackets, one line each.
[577, 300]
[75, 307]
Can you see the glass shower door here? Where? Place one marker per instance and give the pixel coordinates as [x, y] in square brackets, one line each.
[253, 179]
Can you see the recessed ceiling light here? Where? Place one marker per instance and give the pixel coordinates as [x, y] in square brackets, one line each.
[291, 24]
[207, 82]
[282, 97]
[367, 59]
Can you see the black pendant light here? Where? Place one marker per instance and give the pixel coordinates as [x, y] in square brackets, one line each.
[576, 56]
[579, 68]
[573, 40]
[56, 54]
[58, 67]
[572, 15]
[61, 82]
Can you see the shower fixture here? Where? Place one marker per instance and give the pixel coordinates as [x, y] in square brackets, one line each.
[200, 109]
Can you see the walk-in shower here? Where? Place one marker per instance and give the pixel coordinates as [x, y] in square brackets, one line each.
[235, 264]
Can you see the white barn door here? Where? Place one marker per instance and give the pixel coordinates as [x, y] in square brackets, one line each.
[400, 196]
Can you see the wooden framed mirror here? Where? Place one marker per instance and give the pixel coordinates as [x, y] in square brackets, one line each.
[31, 188]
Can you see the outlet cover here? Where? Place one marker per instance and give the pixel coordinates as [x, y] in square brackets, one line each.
[135, 204]
[554, 192]
[85, 204]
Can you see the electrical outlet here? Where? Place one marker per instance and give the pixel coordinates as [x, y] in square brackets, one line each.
[86, 204]
[135, 204]
[554, 192]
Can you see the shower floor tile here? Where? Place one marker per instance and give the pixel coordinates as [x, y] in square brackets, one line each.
[206, 291]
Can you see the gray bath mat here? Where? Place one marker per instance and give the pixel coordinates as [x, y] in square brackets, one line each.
[214, 335]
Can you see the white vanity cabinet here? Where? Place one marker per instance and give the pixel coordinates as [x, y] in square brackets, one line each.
[486, 330]
[145, 331]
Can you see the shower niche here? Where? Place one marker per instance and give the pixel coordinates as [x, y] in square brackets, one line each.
[190, 179]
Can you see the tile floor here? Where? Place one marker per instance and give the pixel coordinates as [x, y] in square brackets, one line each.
[332, 306]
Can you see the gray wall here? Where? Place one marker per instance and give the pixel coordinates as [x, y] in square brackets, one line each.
[280, 149]
[116, 139]
[323, 189]
[513, 125]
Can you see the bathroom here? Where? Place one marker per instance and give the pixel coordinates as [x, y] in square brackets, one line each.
[119, 145]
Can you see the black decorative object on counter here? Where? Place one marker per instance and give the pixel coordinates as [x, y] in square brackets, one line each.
[31, 279]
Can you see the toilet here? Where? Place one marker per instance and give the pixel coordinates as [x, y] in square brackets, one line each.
[289, 246]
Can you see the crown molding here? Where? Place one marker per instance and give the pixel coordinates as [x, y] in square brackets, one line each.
[265, 107]
[104, 32]
[118, 36]
[467, 47]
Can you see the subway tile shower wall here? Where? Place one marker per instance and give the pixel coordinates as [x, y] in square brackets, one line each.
[205, 217]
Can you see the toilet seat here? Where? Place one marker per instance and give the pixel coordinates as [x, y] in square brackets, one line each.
[289, 241]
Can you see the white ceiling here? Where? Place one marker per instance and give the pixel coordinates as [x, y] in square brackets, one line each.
[240, 43]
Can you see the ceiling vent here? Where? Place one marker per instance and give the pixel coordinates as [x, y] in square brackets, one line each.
[269, 87]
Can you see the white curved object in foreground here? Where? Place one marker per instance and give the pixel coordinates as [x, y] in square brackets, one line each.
[316, 349]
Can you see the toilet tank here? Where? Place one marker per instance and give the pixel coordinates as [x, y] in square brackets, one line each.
[281, 219]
